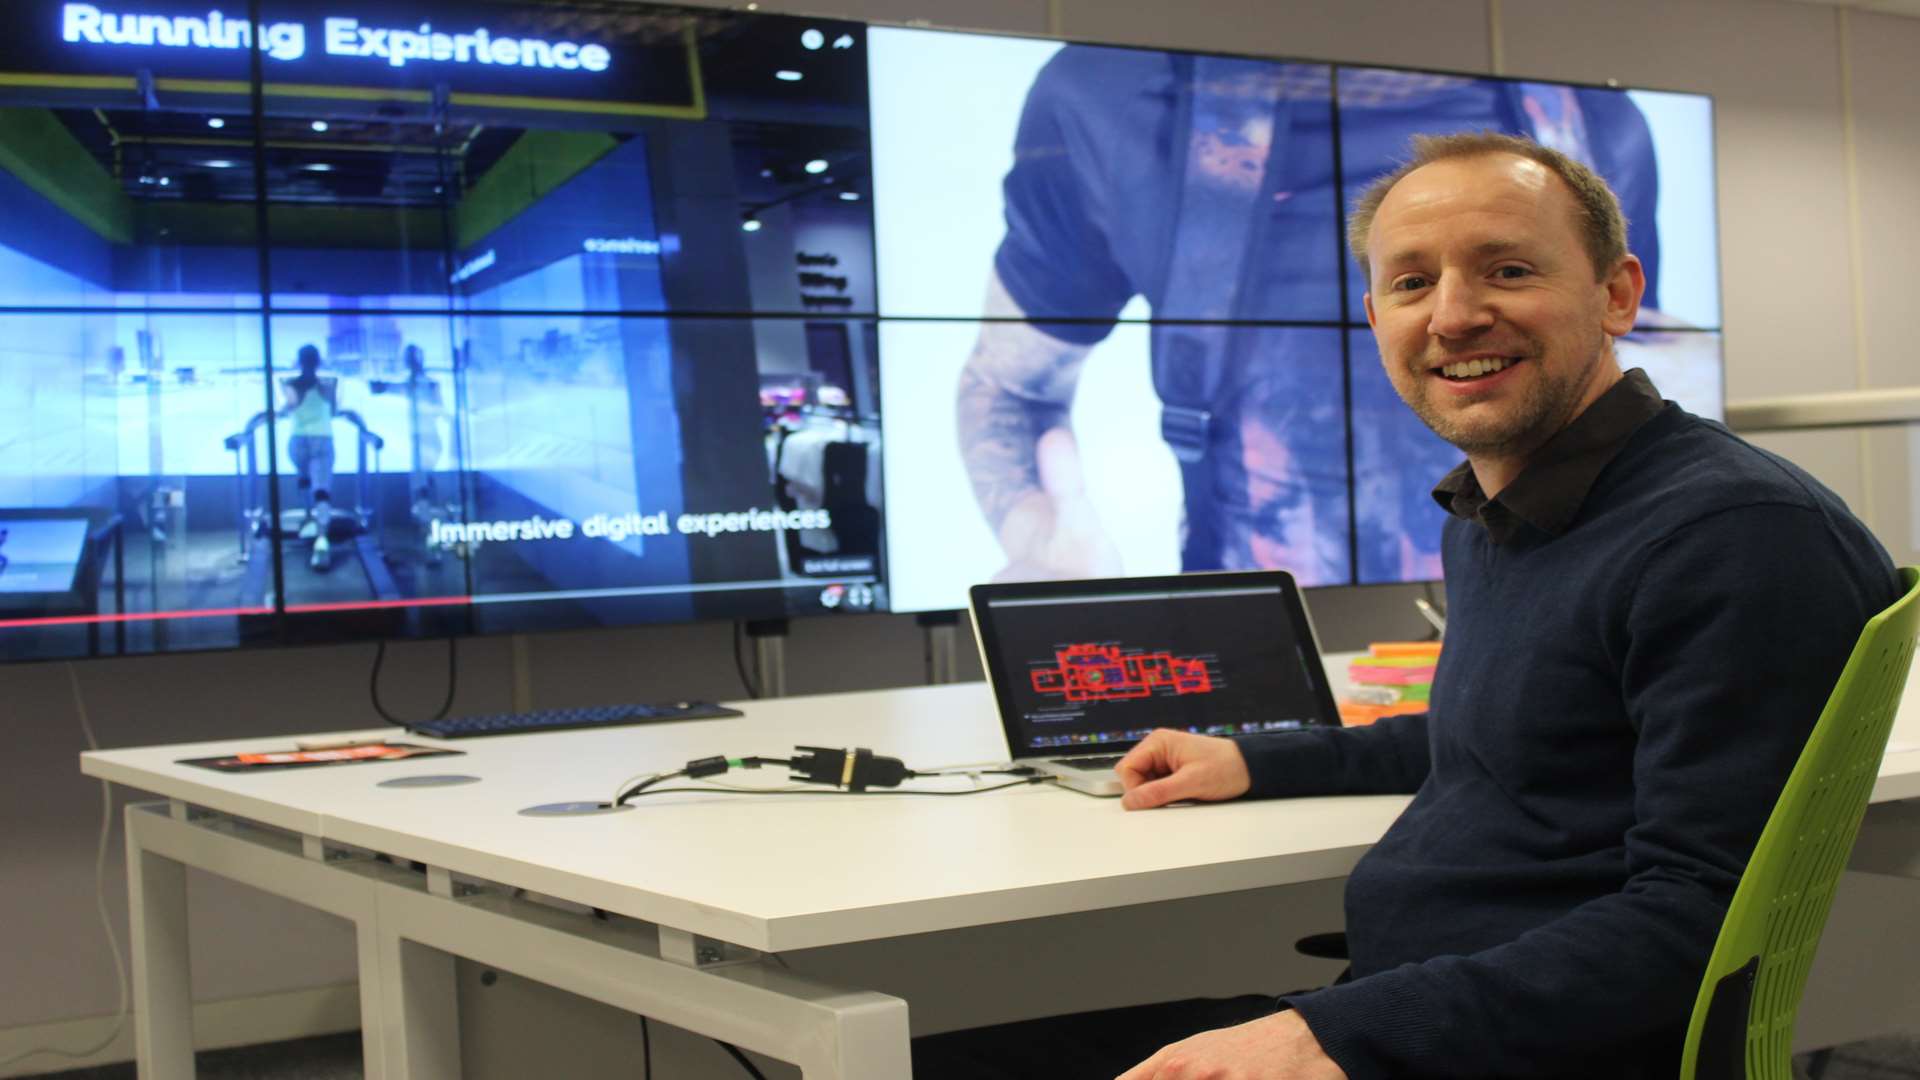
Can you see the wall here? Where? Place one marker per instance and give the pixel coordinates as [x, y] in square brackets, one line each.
[1817, 158]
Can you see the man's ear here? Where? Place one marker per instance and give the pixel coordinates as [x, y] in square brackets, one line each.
[1624, 286]
[1366, 301]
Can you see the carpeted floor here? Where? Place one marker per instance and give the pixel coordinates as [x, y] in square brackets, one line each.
[325, 1057]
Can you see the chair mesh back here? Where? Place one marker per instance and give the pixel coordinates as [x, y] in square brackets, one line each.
[1781, 905]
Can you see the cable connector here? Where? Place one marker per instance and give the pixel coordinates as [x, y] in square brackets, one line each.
[855, 770]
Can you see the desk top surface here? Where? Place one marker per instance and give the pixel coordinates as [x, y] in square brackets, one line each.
[783, 872]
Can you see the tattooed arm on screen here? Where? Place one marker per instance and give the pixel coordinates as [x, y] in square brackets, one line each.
[1016, 438]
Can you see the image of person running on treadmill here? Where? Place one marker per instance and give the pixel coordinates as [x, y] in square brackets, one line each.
[311, 400]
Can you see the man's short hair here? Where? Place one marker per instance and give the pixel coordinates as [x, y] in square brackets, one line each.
[1603, 228]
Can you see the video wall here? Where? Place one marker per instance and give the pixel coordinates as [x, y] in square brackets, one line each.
[489, 317]
[1120, 333]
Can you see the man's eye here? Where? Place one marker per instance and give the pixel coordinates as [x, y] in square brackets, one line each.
[1410, 283]
[1512, 272]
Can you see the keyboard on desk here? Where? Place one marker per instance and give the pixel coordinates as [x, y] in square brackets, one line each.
[466, 727]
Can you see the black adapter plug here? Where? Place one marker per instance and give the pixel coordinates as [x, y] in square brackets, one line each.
[855, 770]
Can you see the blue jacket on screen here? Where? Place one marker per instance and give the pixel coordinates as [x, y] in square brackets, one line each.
[1213, 188]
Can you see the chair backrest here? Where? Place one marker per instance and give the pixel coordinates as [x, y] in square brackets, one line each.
[1743, 1019]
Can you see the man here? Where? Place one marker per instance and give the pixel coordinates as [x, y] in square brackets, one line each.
[1645, 617]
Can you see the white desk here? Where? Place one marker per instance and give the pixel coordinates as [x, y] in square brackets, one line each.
[706, 883]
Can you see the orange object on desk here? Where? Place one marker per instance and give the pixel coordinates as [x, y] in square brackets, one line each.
[1354, 714]
[1383, 649]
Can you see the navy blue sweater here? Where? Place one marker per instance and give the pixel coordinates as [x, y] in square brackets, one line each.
[1618, 706]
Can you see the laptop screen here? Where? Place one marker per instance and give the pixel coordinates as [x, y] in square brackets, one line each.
[1088, 666]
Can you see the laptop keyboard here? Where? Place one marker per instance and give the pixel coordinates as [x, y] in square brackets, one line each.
[1090, 764]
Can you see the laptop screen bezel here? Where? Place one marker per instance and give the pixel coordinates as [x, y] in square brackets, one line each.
[981, 598]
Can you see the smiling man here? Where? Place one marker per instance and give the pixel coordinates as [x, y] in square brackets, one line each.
[1645, 616]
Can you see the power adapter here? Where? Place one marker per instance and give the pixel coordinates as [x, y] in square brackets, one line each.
[855, 770]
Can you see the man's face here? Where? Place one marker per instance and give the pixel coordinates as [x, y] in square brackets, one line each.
[1485, 307]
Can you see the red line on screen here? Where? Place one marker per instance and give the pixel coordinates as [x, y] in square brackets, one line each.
[139, 616]
[367, 605]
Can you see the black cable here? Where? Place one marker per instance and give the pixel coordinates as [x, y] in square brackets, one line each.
[742, 1059]
[446, 706]
[697, 769]
[824, 791]
[646, 1051]
[739, 664]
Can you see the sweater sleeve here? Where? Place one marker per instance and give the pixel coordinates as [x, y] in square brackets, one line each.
[1734, 635]
[1387, 757]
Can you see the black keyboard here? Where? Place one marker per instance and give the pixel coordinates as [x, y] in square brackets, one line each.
[1091, 764]
[466, 727]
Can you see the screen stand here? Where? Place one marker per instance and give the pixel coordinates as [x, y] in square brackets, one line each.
[942, 630]
[769, 637]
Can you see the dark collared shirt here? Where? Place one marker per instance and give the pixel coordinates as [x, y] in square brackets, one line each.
[1548, 492]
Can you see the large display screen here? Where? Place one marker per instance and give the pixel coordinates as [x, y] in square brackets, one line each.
[1120, 333]
[481, 317]
[421, 318]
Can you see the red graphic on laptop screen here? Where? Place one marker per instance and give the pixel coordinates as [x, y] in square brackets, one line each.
[1109, 673]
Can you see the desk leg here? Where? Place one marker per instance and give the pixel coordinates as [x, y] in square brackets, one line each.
[162, 973]
[420, 1001]
[869, 1041]
[831, 1032]
[373, 1016]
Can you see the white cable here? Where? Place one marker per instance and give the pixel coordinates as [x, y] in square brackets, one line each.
[971, 768]
[629, 782]
[99, 898]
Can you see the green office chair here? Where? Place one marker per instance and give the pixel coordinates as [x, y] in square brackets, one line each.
[1742, 1026]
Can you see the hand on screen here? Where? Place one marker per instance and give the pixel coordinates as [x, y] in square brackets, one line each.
[1169, 766]
[1055, 532]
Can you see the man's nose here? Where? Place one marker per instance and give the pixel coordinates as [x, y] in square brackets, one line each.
[1459, 308]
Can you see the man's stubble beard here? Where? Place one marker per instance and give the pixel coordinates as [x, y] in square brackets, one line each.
[1546, 405]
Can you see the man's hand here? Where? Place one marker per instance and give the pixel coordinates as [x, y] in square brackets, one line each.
[1055, 532]
[1168, 766]
[1277, 1047]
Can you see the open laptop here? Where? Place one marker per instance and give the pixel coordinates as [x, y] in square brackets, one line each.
[1084, 669]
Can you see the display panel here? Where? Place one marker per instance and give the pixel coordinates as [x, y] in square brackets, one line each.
[336, 359]
[1123, 242]
[479, 317]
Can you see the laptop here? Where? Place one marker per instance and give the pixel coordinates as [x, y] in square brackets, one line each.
[1082, 670]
